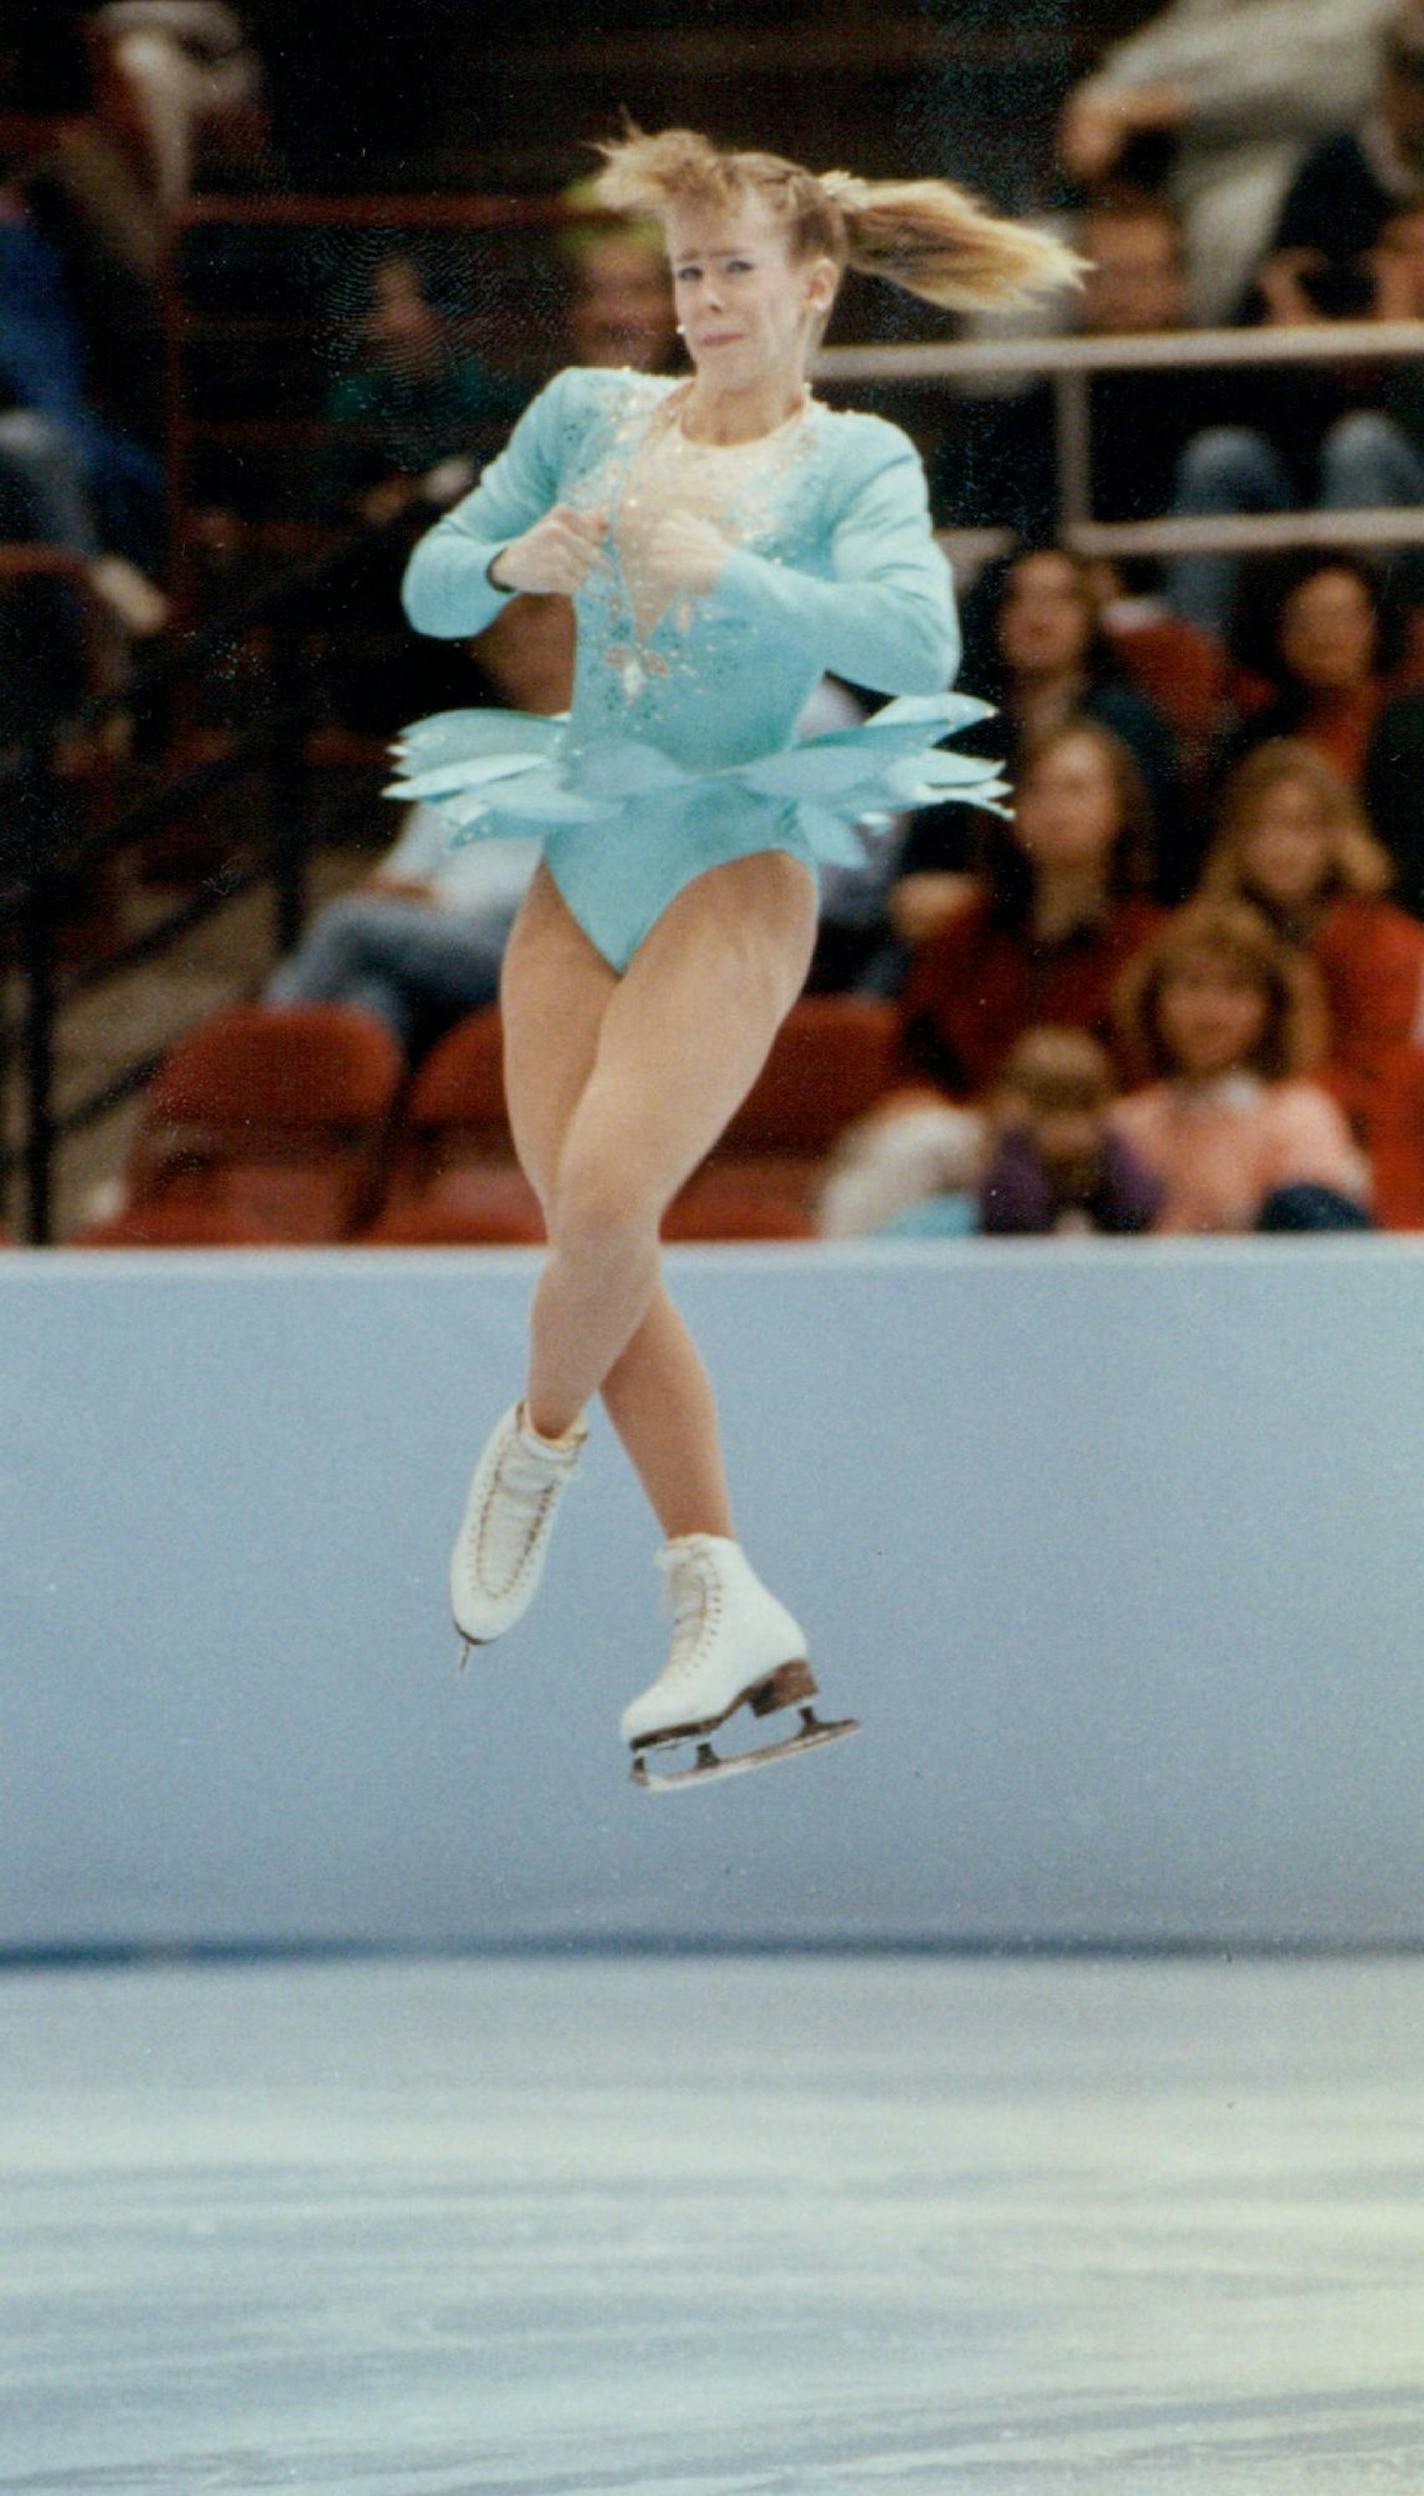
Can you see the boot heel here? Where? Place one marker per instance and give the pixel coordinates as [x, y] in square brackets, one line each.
[787, 1685]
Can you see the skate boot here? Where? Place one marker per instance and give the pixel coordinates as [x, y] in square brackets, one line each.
[499, 1551]
[733, 1645]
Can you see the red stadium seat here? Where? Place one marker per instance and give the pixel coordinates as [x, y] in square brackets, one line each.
[453, 1176]
[263, 1125]
[830, 1061]
[472, 1206]
[454, 1180]
[1397, 1143]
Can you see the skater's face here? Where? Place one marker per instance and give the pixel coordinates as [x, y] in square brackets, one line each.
[1287, 848]
[1068, 815]
[749, 313]
[1047, 618]
[1329, 632]
[1211, 1014]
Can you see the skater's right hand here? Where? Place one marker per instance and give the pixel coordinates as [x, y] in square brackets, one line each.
[558, 553]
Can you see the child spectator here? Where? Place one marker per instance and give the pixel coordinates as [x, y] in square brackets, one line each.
[1059, 1164]
[1047, 930]
[1221, 1010]
[1294, 840]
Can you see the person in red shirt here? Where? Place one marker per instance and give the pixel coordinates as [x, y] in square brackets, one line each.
[1049, 927]
[1294, 839]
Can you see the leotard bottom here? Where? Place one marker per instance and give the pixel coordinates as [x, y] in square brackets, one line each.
[619, 876]
[625, 827]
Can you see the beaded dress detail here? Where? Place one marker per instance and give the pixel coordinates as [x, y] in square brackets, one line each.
[680, 700]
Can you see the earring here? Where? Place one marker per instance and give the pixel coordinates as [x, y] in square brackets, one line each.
[680, 330]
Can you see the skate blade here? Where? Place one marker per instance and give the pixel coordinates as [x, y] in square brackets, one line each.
[709, 1767]
[468, 1646]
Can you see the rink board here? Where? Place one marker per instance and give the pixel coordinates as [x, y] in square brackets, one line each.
[1116, 1551]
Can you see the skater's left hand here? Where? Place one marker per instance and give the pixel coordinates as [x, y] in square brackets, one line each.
[685, 553]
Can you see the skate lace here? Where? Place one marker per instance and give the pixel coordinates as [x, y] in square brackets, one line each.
[521, 1494]
[693, 1595]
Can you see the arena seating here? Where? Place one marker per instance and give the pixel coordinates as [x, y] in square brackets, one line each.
[1397, 1143]
[264, 1125]
[453, 1180]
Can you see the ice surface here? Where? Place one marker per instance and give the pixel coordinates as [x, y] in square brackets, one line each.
[714, 2227]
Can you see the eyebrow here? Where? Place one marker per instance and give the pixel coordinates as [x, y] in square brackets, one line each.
[738, 251]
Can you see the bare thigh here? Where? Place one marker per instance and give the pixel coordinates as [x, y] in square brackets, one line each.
[554, 991]
[687, 1030]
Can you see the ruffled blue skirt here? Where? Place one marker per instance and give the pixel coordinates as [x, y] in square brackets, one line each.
[625, 826]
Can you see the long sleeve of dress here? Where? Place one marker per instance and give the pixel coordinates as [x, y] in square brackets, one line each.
[447, 590]
[887, 618]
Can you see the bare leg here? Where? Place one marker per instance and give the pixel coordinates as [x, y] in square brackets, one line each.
[659, 1398]
[557, 990]
[681, 1041]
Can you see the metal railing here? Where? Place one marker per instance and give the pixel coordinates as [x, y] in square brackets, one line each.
[50, 861]
[1068, 364]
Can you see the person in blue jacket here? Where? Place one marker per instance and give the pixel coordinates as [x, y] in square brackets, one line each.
[726, 539]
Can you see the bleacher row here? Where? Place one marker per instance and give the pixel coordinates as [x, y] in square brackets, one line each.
[300, 1127]
[297, 1126]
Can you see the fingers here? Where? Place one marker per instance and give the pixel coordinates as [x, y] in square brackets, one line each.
[558, 552]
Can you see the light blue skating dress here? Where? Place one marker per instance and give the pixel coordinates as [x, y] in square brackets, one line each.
[678, 752]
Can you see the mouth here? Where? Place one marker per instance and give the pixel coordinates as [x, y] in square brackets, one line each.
[720, 338]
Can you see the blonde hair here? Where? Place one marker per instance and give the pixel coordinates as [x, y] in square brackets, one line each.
[1358, 862]
[1235, 935]
[929, 237]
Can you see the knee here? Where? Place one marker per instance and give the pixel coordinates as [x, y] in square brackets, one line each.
[1225, 459]
[603, 1205]
[1366, 446]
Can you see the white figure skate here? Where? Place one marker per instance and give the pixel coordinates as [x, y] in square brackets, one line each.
[500, 1549]
[733, 1645]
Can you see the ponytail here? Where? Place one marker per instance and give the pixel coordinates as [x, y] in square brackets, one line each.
[936, 240]
[931, 238]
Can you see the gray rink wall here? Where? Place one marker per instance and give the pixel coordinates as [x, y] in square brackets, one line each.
[1116, 1549]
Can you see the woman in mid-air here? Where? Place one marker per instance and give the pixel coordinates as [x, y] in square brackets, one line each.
[726, 539]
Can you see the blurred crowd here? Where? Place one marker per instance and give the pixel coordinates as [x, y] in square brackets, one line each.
[1182, 988]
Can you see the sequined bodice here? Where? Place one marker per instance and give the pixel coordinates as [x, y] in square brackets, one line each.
[661, 667]
[728, 483]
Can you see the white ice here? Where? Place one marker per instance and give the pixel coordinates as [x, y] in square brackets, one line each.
[789, 2226]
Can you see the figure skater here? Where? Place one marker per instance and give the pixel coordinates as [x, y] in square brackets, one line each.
[726, 539]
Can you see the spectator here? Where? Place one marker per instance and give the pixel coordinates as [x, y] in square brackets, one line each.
[620, 309]
[413, 403]
[1294, 841]
[1222, 1012]
[1345, 245]
[196, 82]
[1059, 1165]
[1001, 462]
[1047, 930]
[1329, 638]
[421, 942]
[1227, 94]
[87, 487]
[1035, 646]
[404, 421]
